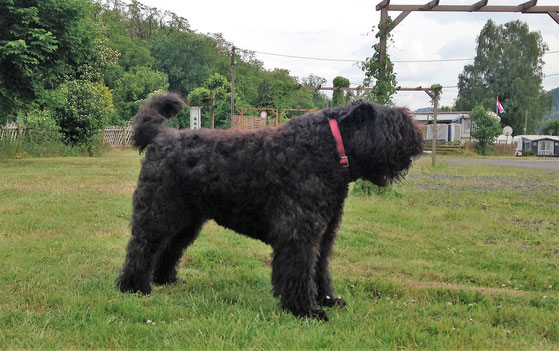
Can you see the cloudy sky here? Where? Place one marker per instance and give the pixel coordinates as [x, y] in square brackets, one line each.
[341, 30]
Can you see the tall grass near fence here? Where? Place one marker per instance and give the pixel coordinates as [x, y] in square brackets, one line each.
[493, 149]
[464, 257]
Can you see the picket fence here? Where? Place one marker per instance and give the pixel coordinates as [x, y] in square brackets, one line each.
[112, 135]
[117, 136]
[11, 131]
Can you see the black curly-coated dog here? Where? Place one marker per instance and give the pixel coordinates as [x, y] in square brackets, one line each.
[284, 186]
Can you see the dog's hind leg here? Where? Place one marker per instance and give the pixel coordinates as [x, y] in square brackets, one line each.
[293, 265]
[165, 269]
[136, 272]
[325, 295]
[155, 220]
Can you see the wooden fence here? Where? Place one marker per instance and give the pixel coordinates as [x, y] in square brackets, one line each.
[117, 136]
[11, 131]
[113, 135]
[248, 122]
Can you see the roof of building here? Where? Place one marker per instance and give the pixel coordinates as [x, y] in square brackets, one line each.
[441, 116]
[538, 137]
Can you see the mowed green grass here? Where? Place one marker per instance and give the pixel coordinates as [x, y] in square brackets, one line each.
[453, 257]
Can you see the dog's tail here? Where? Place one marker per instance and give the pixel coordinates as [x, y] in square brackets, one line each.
[150, 117]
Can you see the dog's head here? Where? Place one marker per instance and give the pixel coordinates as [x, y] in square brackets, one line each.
[381, 141]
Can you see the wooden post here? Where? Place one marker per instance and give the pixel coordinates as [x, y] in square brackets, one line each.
[383, 35]
[233, 64]
[434, 147]
[525, 122]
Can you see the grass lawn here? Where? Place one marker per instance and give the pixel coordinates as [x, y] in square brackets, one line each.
[454, 257]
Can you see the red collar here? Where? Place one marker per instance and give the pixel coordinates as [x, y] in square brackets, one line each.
[339, 145]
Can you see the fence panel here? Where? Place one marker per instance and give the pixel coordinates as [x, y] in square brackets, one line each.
[11, 131]
[117, 136]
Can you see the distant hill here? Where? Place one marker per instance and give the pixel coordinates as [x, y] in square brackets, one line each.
[554, 113]
[424, 109]
[555, 94]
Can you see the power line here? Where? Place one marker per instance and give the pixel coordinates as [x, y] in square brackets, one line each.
[307, 58]
[357, 61]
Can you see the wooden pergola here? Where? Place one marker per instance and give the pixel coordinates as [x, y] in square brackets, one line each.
[528, 7]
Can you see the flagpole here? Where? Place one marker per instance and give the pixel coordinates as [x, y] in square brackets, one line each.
[497, 107]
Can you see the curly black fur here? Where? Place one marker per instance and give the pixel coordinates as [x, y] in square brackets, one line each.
[283, 186]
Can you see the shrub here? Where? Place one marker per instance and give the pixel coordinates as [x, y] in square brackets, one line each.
[40, 127]
[41, 137]
[485, 129]
[84, 111]
[528, 152]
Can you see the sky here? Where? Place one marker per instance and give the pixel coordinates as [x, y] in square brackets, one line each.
[342, 30]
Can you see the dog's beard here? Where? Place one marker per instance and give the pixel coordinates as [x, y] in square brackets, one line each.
[393, 175]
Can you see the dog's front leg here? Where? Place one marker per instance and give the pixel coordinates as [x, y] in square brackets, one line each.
[296, 247]
[325, 296]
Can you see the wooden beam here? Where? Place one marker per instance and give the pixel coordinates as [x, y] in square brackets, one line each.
[342, 89]
[555, 16]
[432, 4]
[398, 19]
[468, 8]
[479, 5]
[528, 4]
[383, 29]
[382, 4]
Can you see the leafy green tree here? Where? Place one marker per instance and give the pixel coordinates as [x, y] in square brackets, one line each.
[133, 88]
[551, 127]
[42, 43]
[188, 59]
[265, 94]
[218, 87]
[212, 95]
[319, 99]
[508, 65]
[338, 96]
[83, 112]
[485, 128]
[383, 86]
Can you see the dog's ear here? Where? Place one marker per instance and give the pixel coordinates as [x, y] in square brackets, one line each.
[359, 112]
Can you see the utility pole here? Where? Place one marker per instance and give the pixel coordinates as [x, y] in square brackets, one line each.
[525, 122]
[233, 64]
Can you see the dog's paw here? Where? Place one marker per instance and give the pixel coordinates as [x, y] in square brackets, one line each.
[315, 313]
[330, 301]
[130, 286]
[320, 315]
[165, 280]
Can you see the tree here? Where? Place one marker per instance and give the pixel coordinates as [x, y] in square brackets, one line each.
[133, 88]
[384, 85]
[188, 59]
[338, 97]
[42, 43]
[508, 65]
[218, 87]
[551, 127]
[212, 94]
[319, 99]
[485, 128]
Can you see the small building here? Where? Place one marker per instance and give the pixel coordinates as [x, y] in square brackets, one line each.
[451, 126]
[540, 145]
